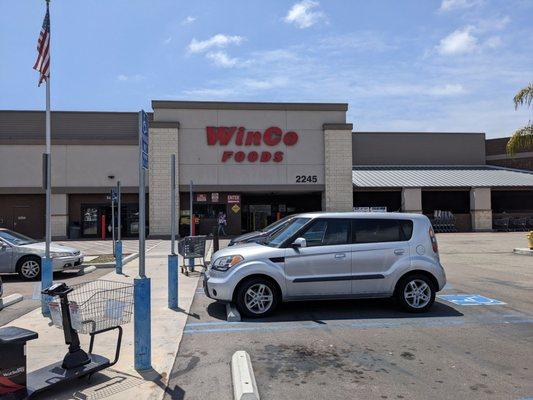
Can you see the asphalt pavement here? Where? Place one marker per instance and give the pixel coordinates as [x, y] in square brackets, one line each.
[369, 349]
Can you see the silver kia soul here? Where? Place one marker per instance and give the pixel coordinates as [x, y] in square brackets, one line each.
[332, 256]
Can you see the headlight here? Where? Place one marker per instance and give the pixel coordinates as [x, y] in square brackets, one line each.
[59, 254]
[225, 263]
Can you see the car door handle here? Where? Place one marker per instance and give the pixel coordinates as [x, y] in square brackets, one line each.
[339, 256]
[399, 252]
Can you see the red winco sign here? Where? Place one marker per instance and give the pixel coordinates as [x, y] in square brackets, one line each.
[272, 136]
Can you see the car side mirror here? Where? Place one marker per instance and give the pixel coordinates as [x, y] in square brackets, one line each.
[3, 246]
[299, 243]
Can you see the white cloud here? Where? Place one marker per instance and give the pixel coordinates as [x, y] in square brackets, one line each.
[220, 40]
[449, 89]
[222, 59]
[189, 20]
[460, 41]
[130, 78]
[304, 15]
[493, 42]
[168, 40]
[450, 5]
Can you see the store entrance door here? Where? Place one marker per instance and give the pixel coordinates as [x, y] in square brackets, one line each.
[96, 221]
[262, 209]
[260, 215]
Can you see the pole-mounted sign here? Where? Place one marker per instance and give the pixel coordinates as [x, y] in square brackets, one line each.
[144, 140]
[141, 289]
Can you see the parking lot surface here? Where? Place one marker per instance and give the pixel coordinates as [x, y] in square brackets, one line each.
[369, 349]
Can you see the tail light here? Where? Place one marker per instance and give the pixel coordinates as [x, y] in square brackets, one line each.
[433, 239]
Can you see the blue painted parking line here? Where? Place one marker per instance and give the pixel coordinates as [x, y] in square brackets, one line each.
[435, 322]
[470, 300]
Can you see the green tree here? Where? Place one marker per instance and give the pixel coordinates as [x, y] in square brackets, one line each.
[522, 138]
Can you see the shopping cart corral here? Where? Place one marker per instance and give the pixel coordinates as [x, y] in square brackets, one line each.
[92, 308]
[192, 248]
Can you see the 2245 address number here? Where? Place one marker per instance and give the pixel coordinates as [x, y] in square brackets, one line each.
[306, 179]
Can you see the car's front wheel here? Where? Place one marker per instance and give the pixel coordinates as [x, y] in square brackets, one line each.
[415, 293]
[29, 268]
[257, 297]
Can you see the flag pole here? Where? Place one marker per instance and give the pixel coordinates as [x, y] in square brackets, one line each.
[46, 271]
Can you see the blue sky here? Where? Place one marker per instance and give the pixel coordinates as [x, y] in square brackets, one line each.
[425, 65]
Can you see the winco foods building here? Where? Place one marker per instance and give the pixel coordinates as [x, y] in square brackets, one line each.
[255, 162]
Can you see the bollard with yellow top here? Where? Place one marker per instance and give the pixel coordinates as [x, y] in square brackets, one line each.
[530, 239]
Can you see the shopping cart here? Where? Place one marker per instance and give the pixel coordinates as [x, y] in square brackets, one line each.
[191, 248]
[90, 308]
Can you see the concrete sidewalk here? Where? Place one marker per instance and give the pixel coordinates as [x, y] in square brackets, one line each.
[121, 381]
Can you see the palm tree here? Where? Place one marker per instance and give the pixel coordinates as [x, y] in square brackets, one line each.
[523, 137]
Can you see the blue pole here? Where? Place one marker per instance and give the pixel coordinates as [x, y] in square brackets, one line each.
[46, 281]
[142, 323]
[118, 257]
[173, 281]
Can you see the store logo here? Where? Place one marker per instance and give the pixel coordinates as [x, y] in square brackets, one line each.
[238, 136]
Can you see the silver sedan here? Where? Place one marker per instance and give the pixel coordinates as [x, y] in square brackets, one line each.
[22, 254]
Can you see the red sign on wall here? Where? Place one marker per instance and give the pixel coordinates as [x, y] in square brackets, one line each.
[239, 136]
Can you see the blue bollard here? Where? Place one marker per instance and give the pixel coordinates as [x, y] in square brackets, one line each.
[173, 281]
[47, 279]
[118, 257]
[142, 328]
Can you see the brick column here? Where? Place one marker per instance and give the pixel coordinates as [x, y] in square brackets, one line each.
[163, 138]
[481, 209]
[338, 194]
[59, 217]
[412, 200]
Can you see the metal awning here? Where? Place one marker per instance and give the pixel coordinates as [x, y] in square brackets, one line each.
[369, 176]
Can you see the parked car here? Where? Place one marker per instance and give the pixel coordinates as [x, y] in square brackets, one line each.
[22, 254]
[332, 256]
[257, 236]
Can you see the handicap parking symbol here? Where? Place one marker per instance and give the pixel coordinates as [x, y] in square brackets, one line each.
[470, 300]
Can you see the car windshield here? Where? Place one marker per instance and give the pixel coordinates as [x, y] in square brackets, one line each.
[15, 238]
[274, 225]
[293, 226]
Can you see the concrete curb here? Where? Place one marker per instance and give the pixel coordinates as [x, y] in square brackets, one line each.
[232, 314]
[87, 270]
[523, 251]
[11, 299]
[242, 373]
[125, 260]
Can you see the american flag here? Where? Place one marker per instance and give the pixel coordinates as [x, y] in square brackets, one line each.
[42, 64]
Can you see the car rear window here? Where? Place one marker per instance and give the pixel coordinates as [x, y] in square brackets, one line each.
[373, 230]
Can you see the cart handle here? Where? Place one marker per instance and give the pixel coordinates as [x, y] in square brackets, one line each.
[119, 341]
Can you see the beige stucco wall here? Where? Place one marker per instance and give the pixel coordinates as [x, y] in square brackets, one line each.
[202, 163]
[72, 165]
[481, 209]
[59, 211]
[412, 200]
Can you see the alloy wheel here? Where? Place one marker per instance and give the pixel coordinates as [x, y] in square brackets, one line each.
[258, 298]
[30, 269]
[417, 293]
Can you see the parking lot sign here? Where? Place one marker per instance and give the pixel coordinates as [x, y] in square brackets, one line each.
[144, 140]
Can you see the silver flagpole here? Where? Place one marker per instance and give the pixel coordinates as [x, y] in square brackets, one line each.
[46, 263]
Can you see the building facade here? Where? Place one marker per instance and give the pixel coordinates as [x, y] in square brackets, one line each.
[251, 162]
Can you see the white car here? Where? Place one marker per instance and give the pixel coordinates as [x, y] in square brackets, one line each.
[332, 256]
[22, 254]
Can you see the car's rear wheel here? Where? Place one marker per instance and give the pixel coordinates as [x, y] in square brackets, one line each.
[257, 297]
[415, 293]
[29, 268]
